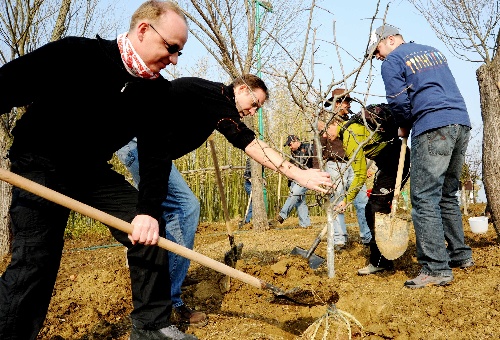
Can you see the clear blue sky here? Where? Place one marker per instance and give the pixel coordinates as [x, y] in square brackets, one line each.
[352, 24]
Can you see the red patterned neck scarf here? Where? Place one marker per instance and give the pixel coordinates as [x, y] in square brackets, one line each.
[132, 61]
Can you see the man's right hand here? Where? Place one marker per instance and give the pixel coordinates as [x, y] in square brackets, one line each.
[340, 208]
[146, 230]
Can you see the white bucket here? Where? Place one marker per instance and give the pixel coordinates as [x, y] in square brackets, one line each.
[479, 225]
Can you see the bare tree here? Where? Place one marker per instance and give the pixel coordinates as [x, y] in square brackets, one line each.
[232, 32]
[471, 31]
[24, 26]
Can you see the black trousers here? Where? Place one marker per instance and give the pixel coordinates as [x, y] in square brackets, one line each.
[383, 192]
[38, 229]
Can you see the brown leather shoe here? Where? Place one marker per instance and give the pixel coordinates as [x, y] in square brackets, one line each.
[190, 281]
[276, 221]
[191, 317]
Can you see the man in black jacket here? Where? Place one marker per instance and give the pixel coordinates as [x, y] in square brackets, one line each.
[221, 107]
[80, 96]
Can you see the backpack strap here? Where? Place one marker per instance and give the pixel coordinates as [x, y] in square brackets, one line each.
[344, 127]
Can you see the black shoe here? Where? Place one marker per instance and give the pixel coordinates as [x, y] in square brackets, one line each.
[191, 317]
[167, 333]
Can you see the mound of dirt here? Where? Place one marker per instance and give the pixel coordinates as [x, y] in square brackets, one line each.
[91, 299]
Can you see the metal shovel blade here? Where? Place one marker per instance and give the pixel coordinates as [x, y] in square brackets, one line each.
[230, 258]
[314, 260]
[391, 235]
[233, 255]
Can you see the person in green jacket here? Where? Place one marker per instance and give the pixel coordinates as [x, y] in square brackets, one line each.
[360, 144]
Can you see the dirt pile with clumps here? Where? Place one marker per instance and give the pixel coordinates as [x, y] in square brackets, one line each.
[91, 299]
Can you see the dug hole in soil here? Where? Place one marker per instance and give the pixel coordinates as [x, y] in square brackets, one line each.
[91, 299]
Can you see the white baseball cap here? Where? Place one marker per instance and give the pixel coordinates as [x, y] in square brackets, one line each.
[378, 35]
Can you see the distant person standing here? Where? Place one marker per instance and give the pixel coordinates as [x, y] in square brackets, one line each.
[424, 98]
[247, 175]
[342, 176]
[302, 153]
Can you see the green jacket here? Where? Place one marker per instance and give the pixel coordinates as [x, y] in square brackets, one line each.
[352, 137]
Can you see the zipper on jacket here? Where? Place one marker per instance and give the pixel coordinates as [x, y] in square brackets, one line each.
[124, 86]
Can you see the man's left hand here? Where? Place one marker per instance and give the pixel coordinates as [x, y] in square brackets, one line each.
[315, 179]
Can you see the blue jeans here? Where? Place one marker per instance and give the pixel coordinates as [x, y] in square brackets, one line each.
[336, 169]
[181, 214]
[248, 189]
[437, 158]
[297, 199]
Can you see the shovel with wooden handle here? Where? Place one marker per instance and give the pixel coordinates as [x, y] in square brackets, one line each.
[295, 295]
[391, 232]
[233, 254]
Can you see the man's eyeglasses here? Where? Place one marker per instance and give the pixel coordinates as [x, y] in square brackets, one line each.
[172, 49]
[344, 100]
[255, 102]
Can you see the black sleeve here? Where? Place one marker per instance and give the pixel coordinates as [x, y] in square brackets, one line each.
[155, 157]
[236, 132]
[27, 77]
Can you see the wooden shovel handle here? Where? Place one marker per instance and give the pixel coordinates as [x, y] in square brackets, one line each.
[126, 227]
[399, 175]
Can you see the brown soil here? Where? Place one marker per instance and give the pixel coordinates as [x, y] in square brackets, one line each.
[91, 299]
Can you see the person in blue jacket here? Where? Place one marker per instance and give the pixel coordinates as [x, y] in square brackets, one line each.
[424, 98]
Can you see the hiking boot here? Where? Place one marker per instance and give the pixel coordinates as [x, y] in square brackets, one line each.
[168, 333]
[463, 265]
[365, 242]
[339, 246]
[191, 317]
[425, 280]
[371, 269]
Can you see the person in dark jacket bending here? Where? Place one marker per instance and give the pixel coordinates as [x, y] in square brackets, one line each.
[223, 107]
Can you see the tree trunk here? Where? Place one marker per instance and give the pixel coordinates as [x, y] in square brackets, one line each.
[259, 212]
[5, 196]
[488, 77]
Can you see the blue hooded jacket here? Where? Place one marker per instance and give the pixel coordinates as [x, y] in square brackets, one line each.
[421, 90]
